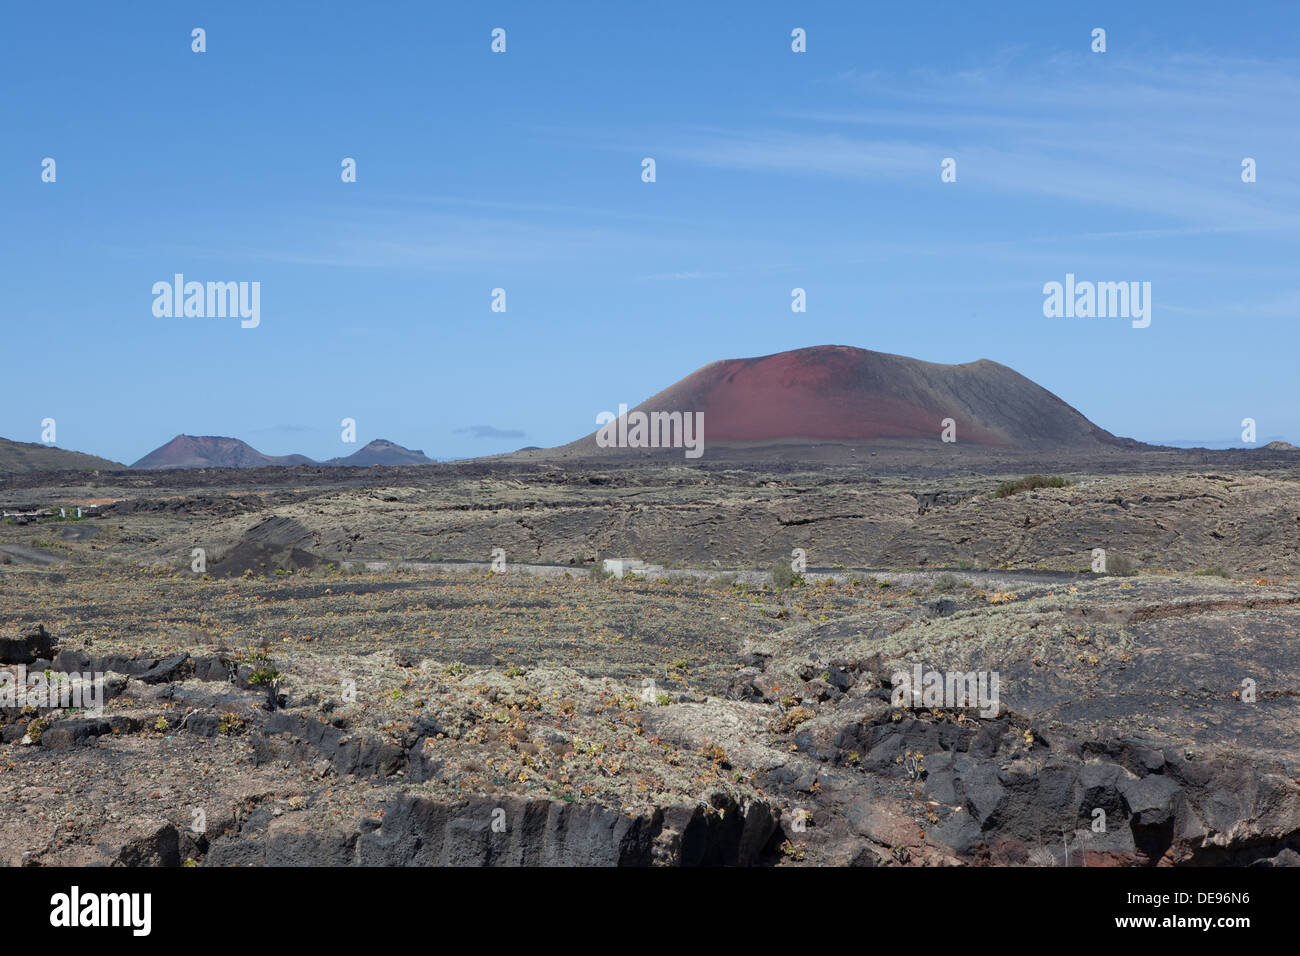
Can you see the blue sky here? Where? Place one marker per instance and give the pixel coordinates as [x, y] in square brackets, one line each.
[522, 171]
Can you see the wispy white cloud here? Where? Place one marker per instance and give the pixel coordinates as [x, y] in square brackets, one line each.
[1283, 306]
[489, 431]
[681, 276]
[1163, 139]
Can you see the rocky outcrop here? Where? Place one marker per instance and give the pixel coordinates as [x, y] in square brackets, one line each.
[29, 646]
[514, 831]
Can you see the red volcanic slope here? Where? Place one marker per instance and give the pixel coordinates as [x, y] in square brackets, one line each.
[842, 393]
[209, 451]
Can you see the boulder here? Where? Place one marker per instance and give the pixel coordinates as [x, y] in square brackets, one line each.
[31, 645]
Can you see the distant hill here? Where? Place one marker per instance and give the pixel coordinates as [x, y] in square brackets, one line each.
[840, 393]
[381, 451]
[23, 456]
[209, 451]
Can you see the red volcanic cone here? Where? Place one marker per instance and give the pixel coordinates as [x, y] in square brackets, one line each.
[837, 392]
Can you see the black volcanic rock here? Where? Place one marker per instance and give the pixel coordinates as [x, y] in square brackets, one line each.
[31, 645]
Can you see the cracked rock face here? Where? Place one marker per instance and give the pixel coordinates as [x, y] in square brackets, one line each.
[1121, 738]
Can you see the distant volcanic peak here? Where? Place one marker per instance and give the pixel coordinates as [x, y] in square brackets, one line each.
[381, 451]
[838, 392]
[212, 451]
[383, 444]
[826, 392]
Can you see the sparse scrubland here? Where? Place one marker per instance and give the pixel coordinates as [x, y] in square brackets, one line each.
[324, 693]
